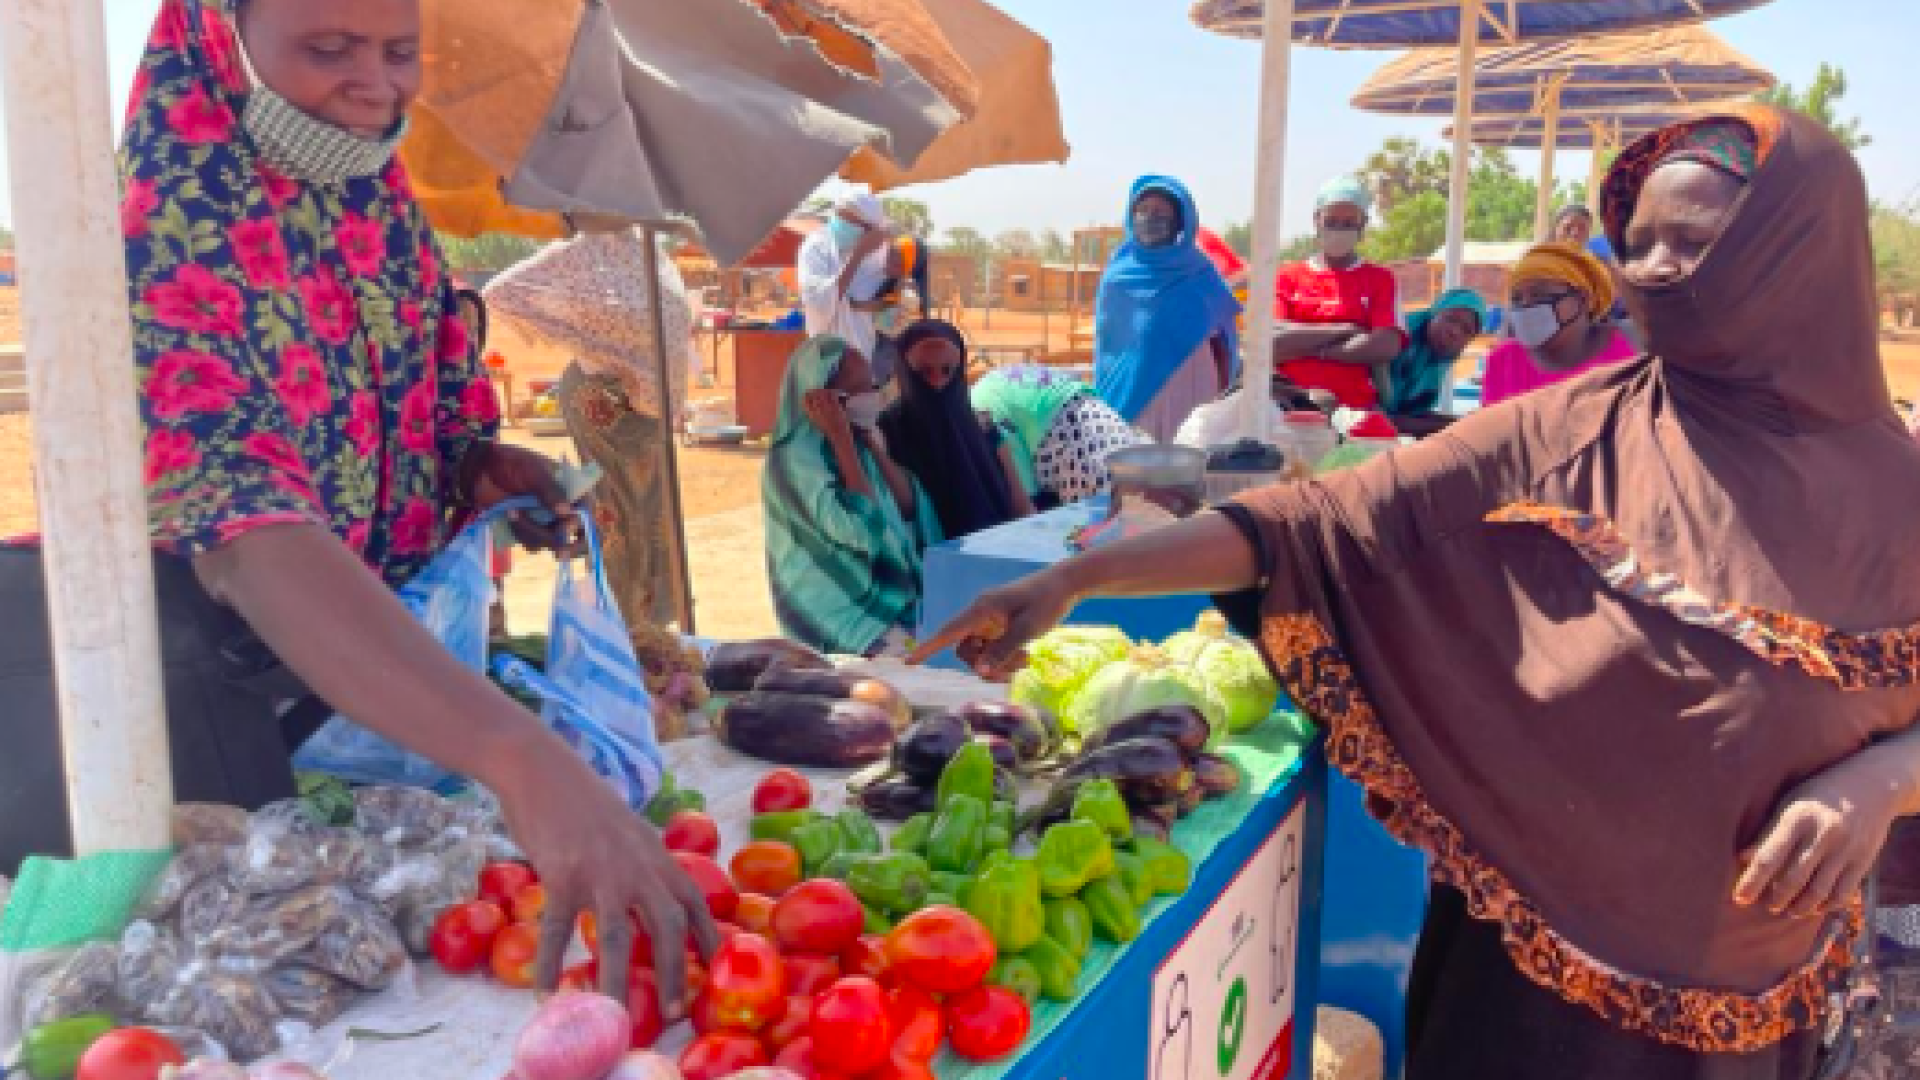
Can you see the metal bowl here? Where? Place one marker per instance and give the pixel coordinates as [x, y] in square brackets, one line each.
[1158, 466]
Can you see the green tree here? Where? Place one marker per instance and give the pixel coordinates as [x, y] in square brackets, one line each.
[909, 215]
[1017, 244]
[489, 251]
[1500, 202]
[1413, 229]
[1055, 248]
[1820, 100]
[1401, 169]
[969, 242]
[1896, 248]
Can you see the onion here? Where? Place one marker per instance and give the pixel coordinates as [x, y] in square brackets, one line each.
[574, 1036]
[203, 1069]
[644, 1065]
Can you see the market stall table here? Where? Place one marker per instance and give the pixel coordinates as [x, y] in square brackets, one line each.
[1220, 983]
[1375, 889]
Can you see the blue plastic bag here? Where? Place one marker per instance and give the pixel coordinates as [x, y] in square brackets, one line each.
[594, 690]
[451, 598]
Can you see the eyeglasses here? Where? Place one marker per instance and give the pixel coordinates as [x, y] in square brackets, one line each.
[1537, 299]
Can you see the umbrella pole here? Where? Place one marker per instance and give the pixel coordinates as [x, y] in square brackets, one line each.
[1549, 146]
[1462, 139]
[1595, 174]
[1269, 186]
[676, 531]
[87, 433]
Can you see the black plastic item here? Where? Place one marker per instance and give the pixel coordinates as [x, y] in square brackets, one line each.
[225, 739]
[1245, 456]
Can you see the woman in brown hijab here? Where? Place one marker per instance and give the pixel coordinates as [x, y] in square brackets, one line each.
[1632, 658]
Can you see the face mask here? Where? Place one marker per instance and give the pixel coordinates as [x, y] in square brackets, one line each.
[845, 233]
[1154, 230]
[1535, 324]
[863, 410]
[1339, 243]
[306, 147]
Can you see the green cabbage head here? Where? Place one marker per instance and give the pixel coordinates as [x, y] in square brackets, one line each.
[1061, 661]
[1230, 667]
[1146, 679]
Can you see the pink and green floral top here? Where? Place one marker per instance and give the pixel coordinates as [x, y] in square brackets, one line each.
[300, 354]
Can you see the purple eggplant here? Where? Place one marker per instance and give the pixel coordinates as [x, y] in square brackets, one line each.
[1217, 776]
[1024, 729]
[897, 799]
[1147, 770]
[928, 744]
[1004, 755]
[1181, 725]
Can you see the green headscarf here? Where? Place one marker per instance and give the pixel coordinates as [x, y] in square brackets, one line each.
[844, 568]
[1026, 399]
[1419, 372]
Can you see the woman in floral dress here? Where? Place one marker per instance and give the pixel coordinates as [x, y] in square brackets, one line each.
[314, 412]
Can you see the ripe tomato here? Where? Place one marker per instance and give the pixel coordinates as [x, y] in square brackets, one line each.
[719, 1054]
[754, 914]
[918, 1026]
[901, 1068]
[530, 903]
[797, 1056]
[463, 935]
[819, 916]
[643, 1005]
[128, 1054]
[515, 951]
[712, 881]
[808, 974]
[987, 1022]
[782, 789]
[849, 1026]
[501, 881]
[767, 867]
[792, 1023]
[583, 976]
[691, 830]
[866, 956]
[942, 949]
[702, 1015]
[747, 981]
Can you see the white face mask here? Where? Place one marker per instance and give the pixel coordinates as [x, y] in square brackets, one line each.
[1339, 243]
[863, 410]
[1534, 325]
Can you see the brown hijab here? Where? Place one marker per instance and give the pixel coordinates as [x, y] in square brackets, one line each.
[1579, 646]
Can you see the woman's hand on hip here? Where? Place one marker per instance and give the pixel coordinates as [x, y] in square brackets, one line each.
[505, 472]
[991, 635]
[1816, 852]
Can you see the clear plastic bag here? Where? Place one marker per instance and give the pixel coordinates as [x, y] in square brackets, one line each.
[275, 858]
[232, 1008]
[276, 927]
[149, 964]
[80, 982]
[189, 868]
[402, 816]
[309, 995]
[359, 943]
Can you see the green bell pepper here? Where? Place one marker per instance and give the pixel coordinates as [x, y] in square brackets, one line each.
[912, 834]
[858, 833]
[1070, 926]
[969, 772]
[996, 838]
[1073, 853]
[936, 898]
[780, 824]
[53, 1050]
[1115, 916]
[1133, 874]
[1016, 973]
[1059, 969]
[816, 841]
[875, 922]
[668, 803]
[952, 884]
[1100, 802]
[1003, 814]
[1169, 868]
[837, 866]
[959, 835]
[896, 883]
[1006, 900]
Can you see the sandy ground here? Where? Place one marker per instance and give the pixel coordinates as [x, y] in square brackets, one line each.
[720, 488]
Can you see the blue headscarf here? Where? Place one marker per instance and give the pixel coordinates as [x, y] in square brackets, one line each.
[1420, 371]
[1156, 306]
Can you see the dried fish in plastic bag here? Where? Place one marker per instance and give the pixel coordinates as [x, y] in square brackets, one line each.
[191, 866]
[233, 1009]
[350, 858]
[276, 858]
[359, 944]
[208, 823]
[208, 906]
[149, 962]
[80, 983]
[274, 927]
[310, 995]
[402, 816]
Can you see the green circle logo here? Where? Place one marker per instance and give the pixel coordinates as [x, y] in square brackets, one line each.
[1233, 1025]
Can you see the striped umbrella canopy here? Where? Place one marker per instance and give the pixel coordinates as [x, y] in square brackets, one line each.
[1672, 68]
[1604, 134]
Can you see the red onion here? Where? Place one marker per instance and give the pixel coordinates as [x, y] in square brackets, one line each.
[644, 1065]
[574, 1036]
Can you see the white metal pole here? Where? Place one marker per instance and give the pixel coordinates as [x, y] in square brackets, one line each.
[1549, 146]
[87, 437]
[1595, 173]
[1269, 186]
[1462, 139]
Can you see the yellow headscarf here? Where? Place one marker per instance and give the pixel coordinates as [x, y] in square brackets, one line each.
[1572, 265]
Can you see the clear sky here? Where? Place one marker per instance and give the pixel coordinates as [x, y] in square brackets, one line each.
[1142, 91]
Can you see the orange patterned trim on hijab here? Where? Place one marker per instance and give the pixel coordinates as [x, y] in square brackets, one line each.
[1877, 659]
[1320, 680]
